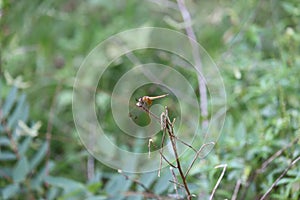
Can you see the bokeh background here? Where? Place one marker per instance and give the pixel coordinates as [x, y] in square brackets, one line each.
[255, 44]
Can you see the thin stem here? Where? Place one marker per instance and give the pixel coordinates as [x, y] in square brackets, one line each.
[161, 151]
[196, 55]
[169, 128]
[236, 190]
[183, 142]
[178, 184]
[162, 155]
[219, 180]
[175, 181]
[149, 112]
[196, 156]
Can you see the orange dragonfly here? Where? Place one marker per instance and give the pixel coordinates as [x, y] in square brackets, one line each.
[147, 101]
[144, 103]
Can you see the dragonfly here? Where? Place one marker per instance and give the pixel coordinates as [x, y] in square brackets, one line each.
[147, 101]
[144, 103]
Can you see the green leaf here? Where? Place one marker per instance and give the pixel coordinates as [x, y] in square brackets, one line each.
[117, 184]
[10, 190]
[24, 146]
[99, 197]
[66, 184]
[1, 128]
[21, 170]
[37, 181]
[163, 182]
[291, 9]
[240, 133]
[25, 113]
[64, 99]
[4, 141]
[97, 176]
[5, 156]
[9, 102]
[38, 156]
[285, 181]
[19, 112]
[148, 178]
[94, 187]
[52, 193]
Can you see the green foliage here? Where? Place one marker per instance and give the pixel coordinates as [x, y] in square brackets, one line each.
[21, 168]
[24, 165]
[255, 44]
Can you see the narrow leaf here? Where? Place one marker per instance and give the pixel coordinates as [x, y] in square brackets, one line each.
[4, 141]
[63, 183]
[9, 102]
[18, 112]
[9, 191]
[6, 156]
[24, 145]
[21, 170]
[163, 182]
[38, 156]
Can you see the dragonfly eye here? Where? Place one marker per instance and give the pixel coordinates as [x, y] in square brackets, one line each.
[139, 104]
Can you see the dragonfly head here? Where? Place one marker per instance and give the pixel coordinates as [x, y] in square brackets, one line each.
[140, 102]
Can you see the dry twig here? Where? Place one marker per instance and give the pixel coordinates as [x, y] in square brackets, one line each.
[236, 190]
[219, 180]
[169, 129]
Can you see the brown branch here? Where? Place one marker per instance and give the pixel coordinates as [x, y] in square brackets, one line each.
[280, 177]
[170, 130]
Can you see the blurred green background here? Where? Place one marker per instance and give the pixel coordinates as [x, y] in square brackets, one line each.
[256, 45]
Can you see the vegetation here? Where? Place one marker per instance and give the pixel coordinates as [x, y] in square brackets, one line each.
[255, 44]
